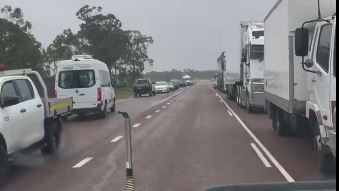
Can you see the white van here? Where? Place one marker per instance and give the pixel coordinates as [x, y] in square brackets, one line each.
[88, 81]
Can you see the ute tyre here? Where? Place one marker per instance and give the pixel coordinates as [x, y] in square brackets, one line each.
[52, 138]
[103, 113]
[3, 161]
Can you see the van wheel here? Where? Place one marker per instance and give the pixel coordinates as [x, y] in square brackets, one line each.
[52, 138]
[3, 161]
[113, 107]
[103, 113]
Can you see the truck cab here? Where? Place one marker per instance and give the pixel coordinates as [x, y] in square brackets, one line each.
[321, 81]
[251, 85]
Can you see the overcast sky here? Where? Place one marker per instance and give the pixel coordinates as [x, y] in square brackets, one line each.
[187, 33]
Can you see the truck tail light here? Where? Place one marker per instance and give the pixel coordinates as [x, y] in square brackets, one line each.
[99, 95]
[54, 94]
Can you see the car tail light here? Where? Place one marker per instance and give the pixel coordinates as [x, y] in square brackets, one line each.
[54, 94]
[99, 98]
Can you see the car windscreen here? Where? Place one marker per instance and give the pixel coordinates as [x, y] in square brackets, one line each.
[76, 79]
[142, 81]
[161, 83]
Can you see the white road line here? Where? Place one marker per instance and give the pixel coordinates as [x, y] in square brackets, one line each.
[157, 111]
[220, 101]
[282, 170]
[230, 113]
[136, 125]
[116, 139]
[122, 100]
[83, 162]
[168, 103]
[261, 156]
[148, 117]
[164, 106]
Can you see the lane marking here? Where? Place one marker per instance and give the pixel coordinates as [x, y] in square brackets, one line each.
[148, 117]
[168, 103]
[281, 169]
[83, 162]
[230, 113]
[136, 125]
[122, 100]
[261, 156]
[164, 106]
[116, 139]
[157, 111]
[220, 101]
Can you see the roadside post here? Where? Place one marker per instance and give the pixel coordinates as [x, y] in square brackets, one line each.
[129, 162]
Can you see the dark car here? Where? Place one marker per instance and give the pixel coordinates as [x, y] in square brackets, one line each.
[143, 86]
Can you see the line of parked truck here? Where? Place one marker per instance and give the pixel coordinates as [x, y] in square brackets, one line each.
[288, 68]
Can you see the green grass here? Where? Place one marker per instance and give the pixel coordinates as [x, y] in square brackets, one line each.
[123, 93]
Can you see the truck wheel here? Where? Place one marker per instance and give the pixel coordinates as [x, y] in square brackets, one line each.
[3, 161]
[52, 138]
[326, 160]
[248, 105]
[279, 125]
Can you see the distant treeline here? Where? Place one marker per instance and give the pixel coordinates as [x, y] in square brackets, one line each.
[177, 74]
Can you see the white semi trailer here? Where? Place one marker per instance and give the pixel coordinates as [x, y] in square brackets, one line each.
[250, 89]
[301, 95]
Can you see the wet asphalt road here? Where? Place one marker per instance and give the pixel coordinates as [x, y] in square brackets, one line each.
[188, 140]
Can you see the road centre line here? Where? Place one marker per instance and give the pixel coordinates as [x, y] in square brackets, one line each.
[116, 139]
[164, 106]
[136, 125]
[168, 103]
[157, 111]
[82, 163]
[148, 117]
[281, 169]
[261, 156]
[122, 100]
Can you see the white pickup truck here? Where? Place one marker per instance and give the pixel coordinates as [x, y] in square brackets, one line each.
[28, 119]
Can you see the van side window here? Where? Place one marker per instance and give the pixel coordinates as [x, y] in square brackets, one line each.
[105, 80]
[324, 47]
[25, 89]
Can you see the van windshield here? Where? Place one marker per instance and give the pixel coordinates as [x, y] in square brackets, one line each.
[76, 79]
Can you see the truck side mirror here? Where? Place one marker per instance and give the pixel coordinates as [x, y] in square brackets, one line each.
[243, 59]
[301, 42]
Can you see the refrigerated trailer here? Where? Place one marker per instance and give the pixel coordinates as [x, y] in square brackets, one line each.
[301, 99]
[250, 88]
[221, 72]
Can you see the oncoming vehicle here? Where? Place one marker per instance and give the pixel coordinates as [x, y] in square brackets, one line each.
[161, 87]
[88, 81]
[143, 86]
[28, 119]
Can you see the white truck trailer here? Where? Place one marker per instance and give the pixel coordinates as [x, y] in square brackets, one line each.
[250, 89]
[302, 100]
[227, 77]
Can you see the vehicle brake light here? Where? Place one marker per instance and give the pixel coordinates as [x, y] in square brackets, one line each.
[54, 94]
[2, 67]
[99, 98]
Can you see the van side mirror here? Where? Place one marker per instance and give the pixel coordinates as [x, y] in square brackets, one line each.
[301, 42]
[9, 101]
